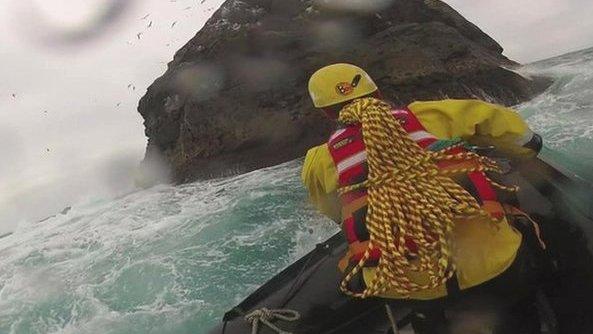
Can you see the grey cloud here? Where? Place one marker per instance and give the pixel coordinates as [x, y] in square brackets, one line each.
[532, 29]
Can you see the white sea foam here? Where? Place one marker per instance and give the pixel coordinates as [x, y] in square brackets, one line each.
[167, 260]
[563, 115]
[173, 259]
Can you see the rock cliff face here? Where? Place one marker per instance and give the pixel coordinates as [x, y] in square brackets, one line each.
[235, 96]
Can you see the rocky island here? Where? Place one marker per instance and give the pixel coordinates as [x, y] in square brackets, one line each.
[235, 98]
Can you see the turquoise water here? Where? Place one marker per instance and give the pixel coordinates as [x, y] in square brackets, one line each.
[563, 115]
[173, 259]
[164, 260]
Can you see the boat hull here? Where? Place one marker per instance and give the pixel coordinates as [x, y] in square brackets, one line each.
[562, 206]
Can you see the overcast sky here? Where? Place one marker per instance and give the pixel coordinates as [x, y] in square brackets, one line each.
[531, 30]
[71, 133]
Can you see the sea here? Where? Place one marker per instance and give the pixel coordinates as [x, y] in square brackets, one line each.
[173, 259]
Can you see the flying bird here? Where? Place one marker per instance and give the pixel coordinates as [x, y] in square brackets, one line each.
[118, 104]
[187, 8]
[139, 35]
[145, 16]
[174, 23]
[150, 24]
[13, 95]
[47, 149]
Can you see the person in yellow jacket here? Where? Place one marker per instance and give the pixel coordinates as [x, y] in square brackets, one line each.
[417, 204]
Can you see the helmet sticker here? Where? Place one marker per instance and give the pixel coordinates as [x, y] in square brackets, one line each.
[344, 88]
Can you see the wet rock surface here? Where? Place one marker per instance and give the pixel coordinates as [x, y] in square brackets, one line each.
[235, 98]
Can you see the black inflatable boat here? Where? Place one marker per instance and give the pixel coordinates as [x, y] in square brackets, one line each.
[563, 206]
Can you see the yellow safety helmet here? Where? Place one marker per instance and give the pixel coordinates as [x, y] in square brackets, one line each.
[339, 83]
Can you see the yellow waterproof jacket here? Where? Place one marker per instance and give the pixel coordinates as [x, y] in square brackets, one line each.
[484, 249]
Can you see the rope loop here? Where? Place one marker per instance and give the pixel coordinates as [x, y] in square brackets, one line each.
[409, 200]
[266, 316]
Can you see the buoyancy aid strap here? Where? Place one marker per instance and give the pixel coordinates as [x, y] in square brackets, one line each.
[349, 229]
[494, 208]
[483, 187]
[355, 205]
[512, 210]
[344, 261]
[358, 248]
[485, 193]
[443, 144]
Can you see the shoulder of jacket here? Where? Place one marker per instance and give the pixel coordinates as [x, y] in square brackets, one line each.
[317, 149]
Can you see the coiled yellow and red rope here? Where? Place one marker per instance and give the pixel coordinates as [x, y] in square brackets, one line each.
[409, 198]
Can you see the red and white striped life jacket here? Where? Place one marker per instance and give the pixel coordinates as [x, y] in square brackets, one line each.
[347, 149]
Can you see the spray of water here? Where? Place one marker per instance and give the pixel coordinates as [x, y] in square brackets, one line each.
[163, 260]
[563, 115]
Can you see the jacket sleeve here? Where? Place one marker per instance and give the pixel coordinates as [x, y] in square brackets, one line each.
[320, 177]
[479, 123]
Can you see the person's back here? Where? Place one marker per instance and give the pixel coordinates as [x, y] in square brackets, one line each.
[421, 216]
